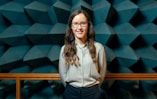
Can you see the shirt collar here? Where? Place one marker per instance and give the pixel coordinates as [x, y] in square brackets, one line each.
[79, 46]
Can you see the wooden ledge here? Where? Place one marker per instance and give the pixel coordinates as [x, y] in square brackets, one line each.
[131, 76]
[55, 76]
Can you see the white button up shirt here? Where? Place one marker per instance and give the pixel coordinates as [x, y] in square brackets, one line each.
[88, 73]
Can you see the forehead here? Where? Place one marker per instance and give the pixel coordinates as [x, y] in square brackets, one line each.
[79, 17]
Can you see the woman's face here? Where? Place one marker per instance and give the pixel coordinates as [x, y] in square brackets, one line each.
[80, 27]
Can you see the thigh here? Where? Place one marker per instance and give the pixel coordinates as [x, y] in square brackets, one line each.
[71, 93]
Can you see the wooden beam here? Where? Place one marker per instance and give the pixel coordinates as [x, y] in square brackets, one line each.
[131, 76]
[18, 88]
[56, 76]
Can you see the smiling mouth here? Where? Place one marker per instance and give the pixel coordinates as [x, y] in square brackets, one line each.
[79, 31]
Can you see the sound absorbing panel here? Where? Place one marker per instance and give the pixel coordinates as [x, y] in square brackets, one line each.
[32, 33]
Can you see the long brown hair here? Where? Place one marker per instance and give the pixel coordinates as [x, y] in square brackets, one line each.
[70, 49]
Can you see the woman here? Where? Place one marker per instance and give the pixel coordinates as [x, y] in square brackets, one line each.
[82, 62]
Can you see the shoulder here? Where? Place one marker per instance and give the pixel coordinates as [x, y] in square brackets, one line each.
[62, 48]
[98, 45]
[100, 49]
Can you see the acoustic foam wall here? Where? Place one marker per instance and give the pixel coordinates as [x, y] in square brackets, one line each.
[32, 33]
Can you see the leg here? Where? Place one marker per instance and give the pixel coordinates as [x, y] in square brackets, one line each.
[71, 93]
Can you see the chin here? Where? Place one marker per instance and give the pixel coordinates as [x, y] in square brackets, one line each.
[80, 36]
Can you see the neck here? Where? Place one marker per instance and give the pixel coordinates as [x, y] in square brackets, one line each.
[81, 42]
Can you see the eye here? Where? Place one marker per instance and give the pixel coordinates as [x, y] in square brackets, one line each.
[75, 23]
[83, 23]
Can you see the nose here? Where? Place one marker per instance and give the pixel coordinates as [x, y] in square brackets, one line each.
[79, 26]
